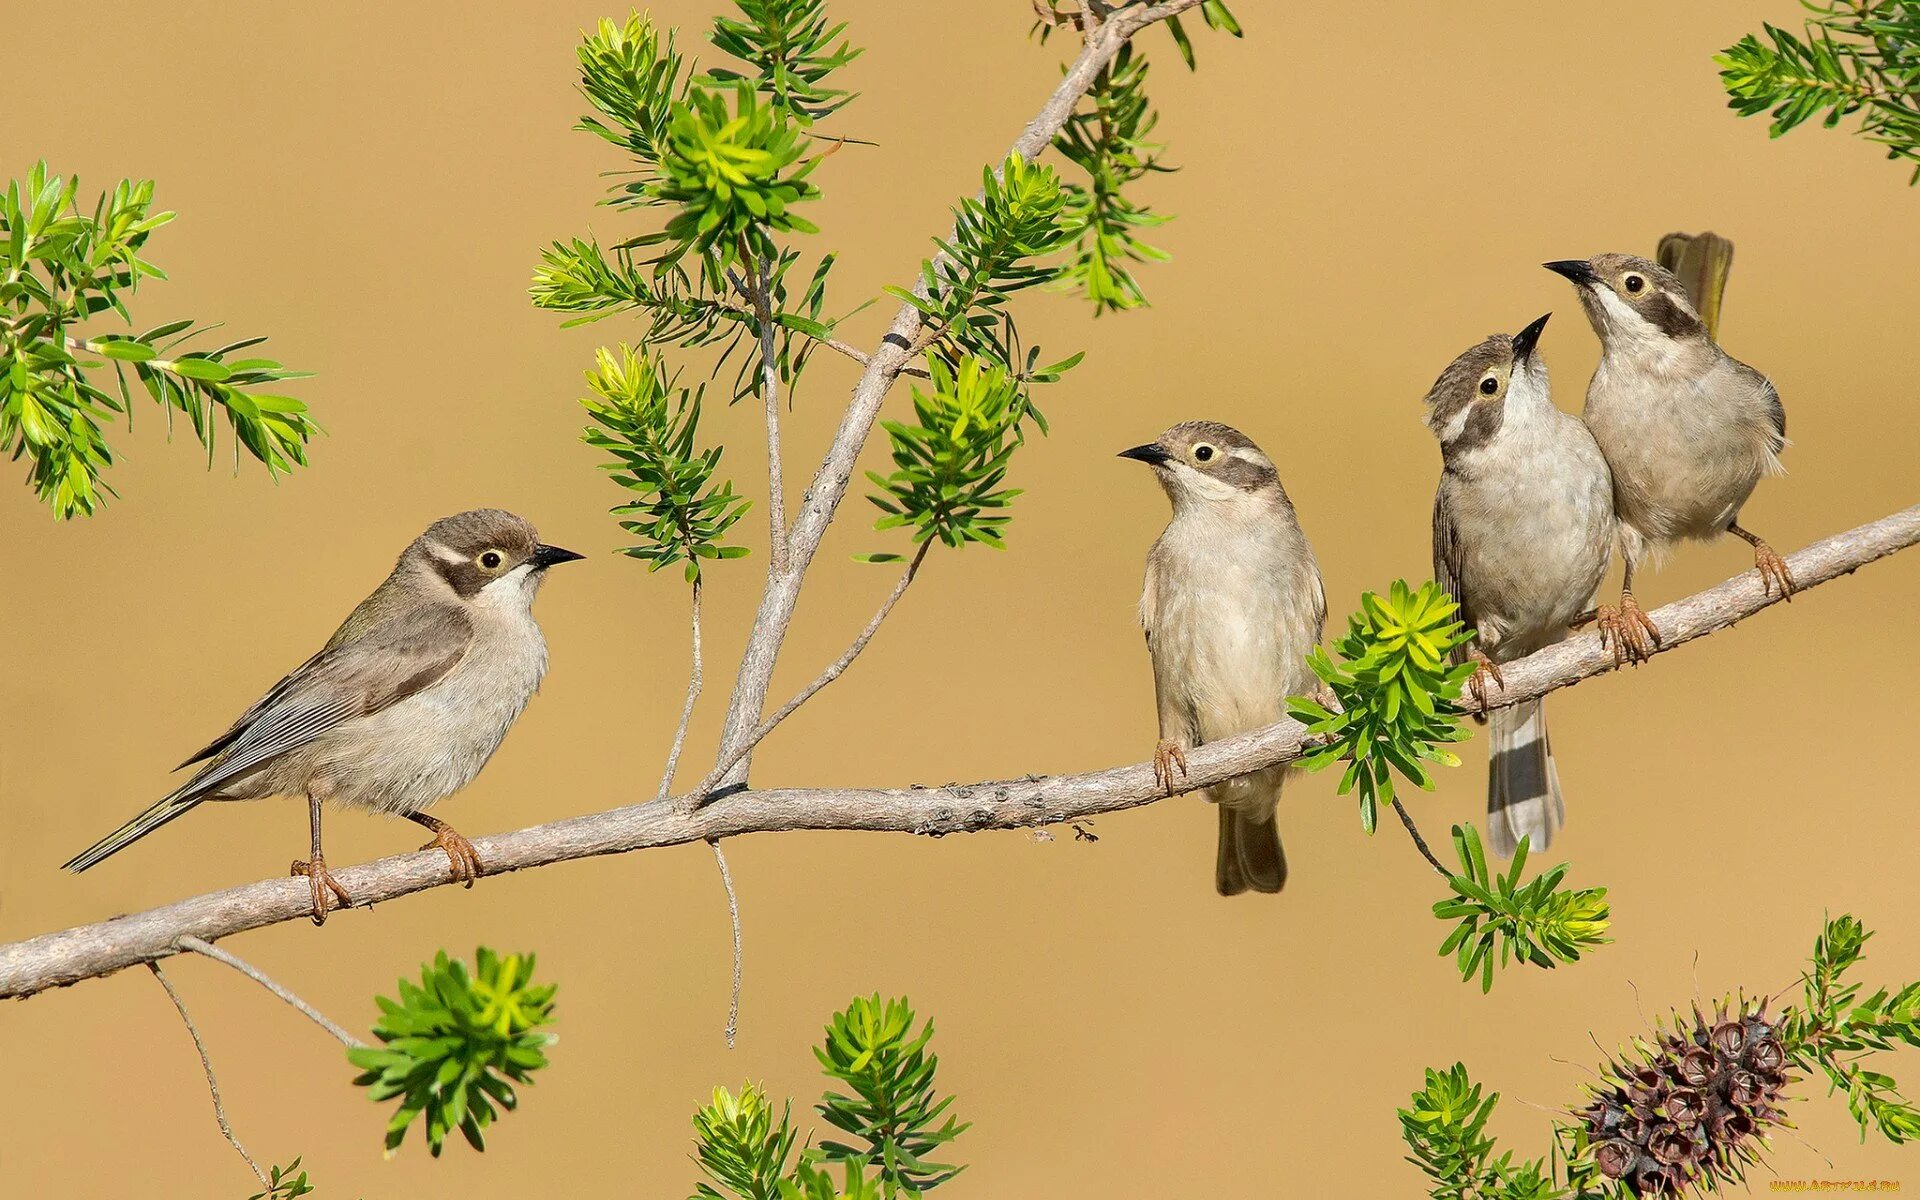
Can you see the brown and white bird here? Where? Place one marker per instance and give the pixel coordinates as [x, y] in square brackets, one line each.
[1688, 430]
[1232, 606]
[401, 708]
[1523, 528]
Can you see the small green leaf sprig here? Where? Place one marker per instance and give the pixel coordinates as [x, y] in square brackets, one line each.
[891, 1107]
[61, 267]
[454, 1045]
[1835, 1030]
[1444, 1124]
[1396, 688]
[890, 1110]
[1500, 919]
[647, 424]
[1853, 57]
[283, 1183]
[951, 462]
[1111, 144]
[790, 44]
[734, 175]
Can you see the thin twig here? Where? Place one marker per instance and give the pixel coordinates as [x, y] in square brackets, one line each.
[733, 911]
[260, 977]
[213, 1085]
[762, 297]
[90, 951]
[686, 710]
[833, 671]
[1419, 843]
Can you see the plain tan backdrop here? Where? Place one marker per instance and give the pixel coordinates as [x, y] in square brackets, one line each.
[1361, 197]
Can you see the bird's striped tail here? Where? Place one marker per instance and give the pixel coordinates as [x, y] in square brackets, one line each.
[1523, 788]
[157, 815]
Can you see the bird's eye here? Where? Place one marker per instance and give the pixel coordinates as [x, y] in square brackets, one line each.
[491, 560]
[1635, 284]
[1202, 452]
[1489, 386]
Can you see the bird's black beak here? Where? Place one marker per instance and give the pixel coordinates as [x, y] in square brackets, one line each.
[1150, 454]
[545, 556]
[1528, 338]
[1578, 270]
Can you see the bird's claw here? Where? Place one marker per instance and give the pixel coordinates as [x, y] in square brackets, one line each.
[1628, 631]
[1484, 668]
[1167, 756]
[322, 882]
[1774, 572]
[462, 858]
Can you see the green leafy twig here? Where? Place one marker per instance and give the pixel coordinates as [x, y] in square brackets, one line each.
[59, 268]
[1854, 57]
[454, 1045]
[647, 423]
[1499, 917]
[1835, 1030]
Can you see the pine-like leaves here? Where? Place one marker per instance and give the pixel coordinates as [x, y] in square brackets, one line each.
[1501, 919]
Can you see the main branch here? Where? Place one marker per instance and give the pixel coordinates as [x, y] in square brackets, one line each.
[88, 951]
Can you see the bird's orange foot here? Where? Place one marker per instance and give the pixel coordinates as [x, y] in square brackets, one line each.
[1774, 572]
[1166, 756]
[1627, 630]
[1484, 669]
[462, 858]
[322, 882]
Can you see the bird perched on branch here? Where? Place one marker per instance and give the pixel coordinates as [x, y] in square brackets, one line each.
[401, 708]
[1523, 528]
[1232, 606]
[1687, 429]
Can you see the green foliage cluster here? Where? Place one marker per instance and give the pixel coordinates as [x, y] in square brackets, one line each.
[1835, 1030]
[949, 464]
[1499, 917]
[790, 44]
[890, 1111]
[733, 176]
[1444, 1124]
[1395, 685]
[647, 424]
[1852, 57]
[453, 1046]
[63, 267]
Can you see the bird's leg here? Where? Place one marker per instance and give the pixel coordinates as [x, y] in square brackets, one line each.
[315, 868]
[1627, 629]
[464, 859]
[1484, 668]
[1773, 569]
[1166, 756]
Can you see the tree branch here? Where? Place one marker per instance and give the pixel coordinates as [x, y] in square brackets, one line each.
[89, 951]
[694, 679]
[260, 977]
[884, 365]
[761, 294]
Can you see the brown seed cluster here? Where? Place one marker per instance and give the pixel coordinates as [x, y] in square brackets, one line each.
[1692, 1109]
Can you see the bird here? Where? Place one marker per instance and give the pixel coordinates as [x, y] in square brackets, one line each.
[400, 709]
[1232, 606]
[1523, 531]
[1687, 429]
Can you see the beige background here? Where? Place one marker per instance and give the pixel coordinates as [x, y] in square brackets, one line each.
[1360, 199]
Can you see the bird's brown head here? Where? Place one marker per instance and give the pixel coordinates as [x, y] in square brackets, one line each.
[1631, 299]
[471, 550]
[1205, 460]
[1467, 405]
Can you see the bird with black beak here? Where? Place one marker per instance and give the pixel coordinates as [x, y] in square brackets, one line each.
[400, 709]
[1687, 429]
[1231, 607]
[1523, 528]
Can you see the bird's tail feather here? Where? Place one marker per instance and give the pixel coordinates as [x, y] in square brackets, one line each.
[1250, 858]
[153, 818]
[1523, 785]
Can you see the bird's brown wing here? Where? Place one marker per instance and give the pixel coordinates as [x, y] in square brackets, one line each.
[388, 663]
[1446, 559]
